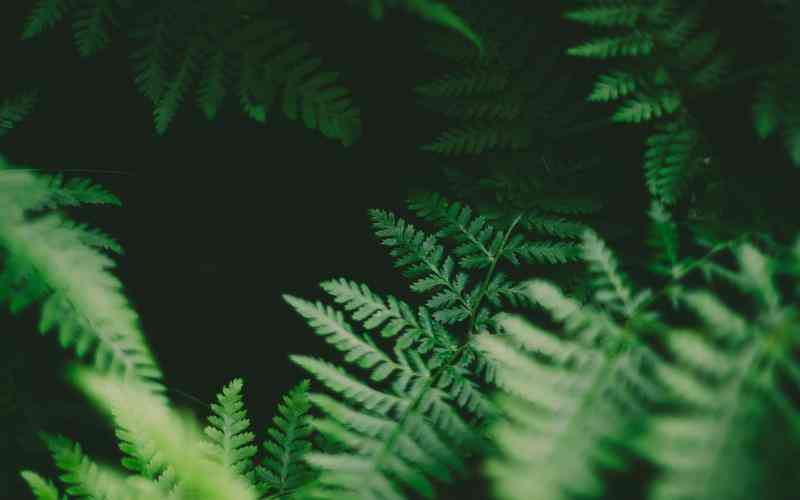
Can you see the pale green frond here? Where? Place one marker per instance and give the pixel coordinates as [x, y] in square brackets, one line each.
[58, 262]
[178, 439]
[560, 427]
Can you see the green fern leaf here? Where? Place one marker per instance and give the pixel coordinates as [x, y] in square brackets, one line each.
[424, 259]
[613, 86]
[644, 107]
[611, 285]
[766, 110]
[81, 475]
[635, 44]
[476, 82]
[211, 89]
[41, 488]
[729, 414]
[283, 470]
[151, 60]
[664, 240]
[671, 159]
[13, 110]
[91, 28]
[54, 260]
[351, 388]
[476, 140]
[395, 317]
[622, 14]
[76, 191]
[177, 439]
[432, 11]
[230, 440]
[330, 324]
[585, 398]
[45, 15]
[168, 103]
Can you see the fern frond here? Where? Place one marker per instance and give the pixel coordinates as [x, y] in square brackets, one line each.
[91, 27]
[635, 44]
[14, 109]
[663, 240]
[150, 62]
[142, 457]
[177, 439]
[777, 108]
[283, 470]
[45, 15]
[381, 429]
[85, 478]
[338, 380]
[456, 85]
[613, 86]
[42, 489]
[611, 286]
[549, 252]
[431, 11]
[228, 431]
[212, 87]
[53, 260]
[478, 241]
[330, 324]
[168, 103]
[585, 399]
[275, 65]
[732, 385]
[424, 259]
[393, 316]
[671, 159]
[476, 140]
[76, 191]
[612, 15]
[644, 107]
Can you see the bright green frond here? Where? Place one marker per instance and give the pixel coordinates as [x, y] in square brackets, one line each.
[228, 431]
